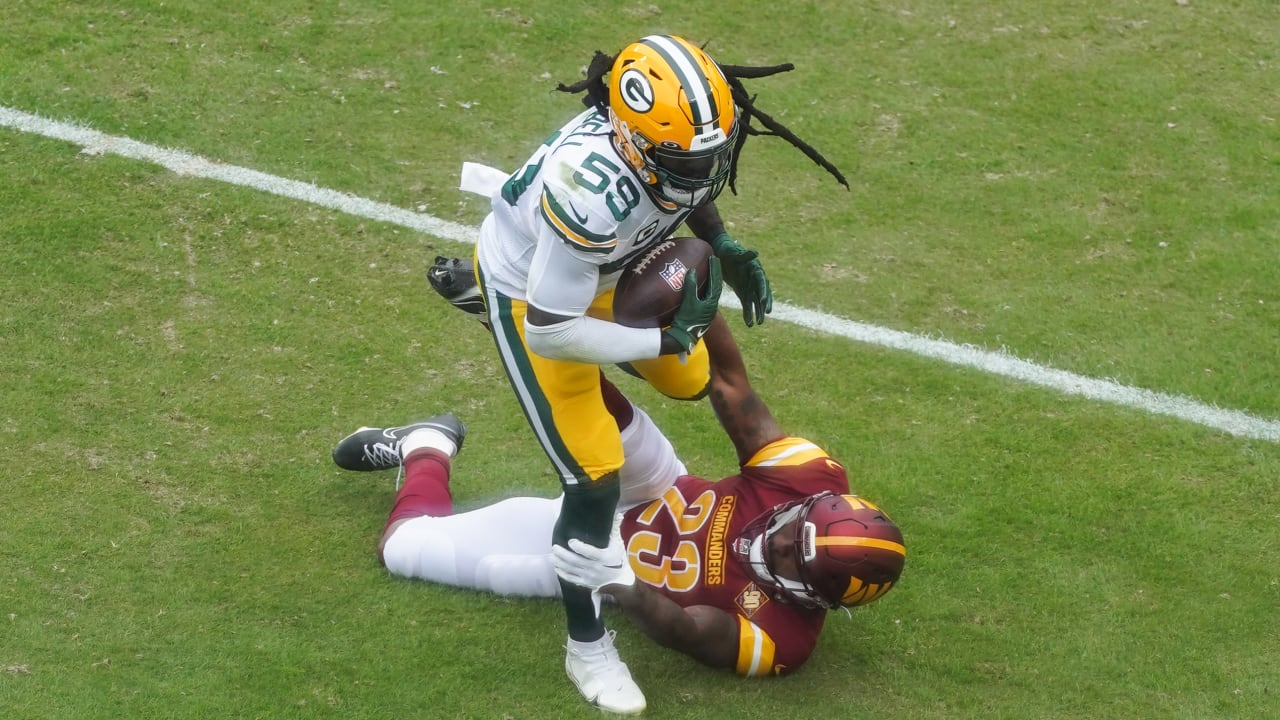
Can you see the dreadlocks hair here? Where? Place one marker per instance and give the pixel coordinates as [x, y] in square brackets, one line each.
[597, 97]
[597, 92]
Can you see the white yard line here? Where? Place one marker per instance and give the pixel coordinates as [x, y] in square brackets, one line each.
[1234, 422]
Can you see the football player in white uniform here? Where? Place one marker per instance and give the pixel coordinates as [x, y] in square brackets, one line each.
[655, 146]
[615, 180]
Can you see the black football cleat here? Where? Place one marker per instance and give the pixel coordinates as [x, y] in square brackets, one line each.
[455, 281]
[372, 448]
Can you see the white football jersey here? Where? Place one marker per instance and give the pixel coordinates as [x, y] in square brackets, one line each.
[575, 190]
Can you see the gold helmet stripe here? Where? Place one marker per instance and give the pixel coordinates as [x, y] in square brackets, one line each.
[891, 546]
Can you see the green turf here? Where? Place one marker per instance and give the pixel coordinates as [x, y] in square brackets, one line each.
[1090, 186]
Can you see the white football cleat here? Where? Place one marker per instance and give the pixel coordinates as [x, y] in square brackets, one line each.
[602, 677]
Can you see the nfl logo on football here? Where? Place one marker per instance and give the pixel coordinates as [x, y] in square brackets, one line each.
[673, 272]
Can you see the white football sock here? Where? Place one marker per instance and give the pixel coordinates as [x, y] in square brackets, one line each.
[428, 438]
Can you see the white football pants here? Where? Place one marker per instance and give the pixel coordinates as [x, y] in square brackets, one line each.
[505, 547]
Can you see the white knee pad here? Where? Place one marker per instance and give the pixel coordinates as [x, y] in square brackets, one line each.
[421, 549]
[526, 575]
[649, 465]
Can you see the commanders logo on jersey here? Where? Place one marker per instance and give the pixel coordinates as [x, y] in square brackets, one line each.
[751, 599]
[714, 552]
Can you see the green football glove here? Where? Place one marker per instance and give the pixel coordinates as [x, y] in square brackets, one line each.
[744, 273]
[694, 317]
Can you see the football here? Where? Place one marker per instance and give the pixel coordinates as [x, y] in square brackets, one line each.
[648, 292]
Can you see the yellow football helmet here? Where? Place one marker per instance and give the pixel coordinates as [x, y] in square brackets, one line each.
[674, 118]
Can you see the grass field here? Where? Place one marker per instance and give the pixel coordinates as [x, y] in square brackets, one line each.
[1087, 187]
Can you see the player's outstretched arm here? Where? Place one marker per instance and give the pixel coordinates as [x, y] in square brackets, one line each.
[704, 633]
[742, 413]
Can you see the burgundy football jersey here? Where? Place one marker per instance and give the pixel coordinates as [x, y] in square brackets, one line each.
[682, 544]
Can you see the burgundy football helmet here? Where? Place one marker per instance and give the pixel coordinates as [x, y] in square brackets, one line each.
[848, 551]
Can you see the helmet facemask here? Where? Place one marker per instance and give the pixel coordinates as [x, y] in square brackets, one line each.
[685, 178]
[694, 178]
[761, 556]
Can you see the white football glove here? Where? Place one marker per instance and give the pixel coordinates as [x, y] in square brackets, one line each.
[591, 567]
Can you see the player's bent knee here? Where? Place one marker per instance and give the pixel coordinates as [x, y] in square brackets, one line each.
[687, 380]
[420, 550]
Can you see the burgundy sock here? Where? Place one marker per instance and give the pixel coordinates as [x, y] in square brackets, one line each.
[426, 486]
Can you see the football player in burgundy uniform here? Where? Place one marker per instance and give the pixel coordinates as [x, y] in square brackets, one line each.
[737, 573]
[693, 546]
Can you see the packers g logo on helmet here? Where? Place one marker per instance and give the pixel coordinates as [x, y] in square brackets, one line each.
[636, 91]
[674, 118]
